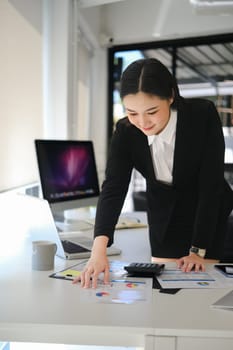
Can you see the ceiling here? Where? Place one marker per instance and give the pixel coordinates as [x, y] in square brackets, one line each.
[201, 6]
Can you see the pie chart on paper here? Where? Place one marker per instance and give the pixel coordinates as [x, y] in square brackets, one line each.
[131, 285]
[102, 294]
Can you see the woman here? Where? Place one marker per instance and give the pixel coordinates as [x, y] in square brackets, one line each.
[177, 144]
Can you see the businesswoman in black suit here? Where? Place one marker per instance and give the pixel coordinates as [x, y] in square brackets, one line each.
[177, 144]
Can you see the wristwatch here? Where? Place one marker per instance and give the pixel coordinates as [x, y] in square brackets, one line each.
[200, 252]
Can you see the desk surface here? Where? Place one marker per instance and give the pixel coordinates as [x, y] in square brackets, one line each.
[40, 309]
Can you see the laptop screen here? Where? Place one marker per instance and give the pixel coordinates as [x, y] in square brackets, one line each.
[67, 170]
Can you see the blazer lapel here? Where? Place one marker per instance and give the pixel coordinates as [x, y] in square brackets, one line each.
[142, 154]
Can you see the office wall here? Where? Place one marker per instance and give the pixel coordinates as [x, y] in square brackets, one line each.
[20, 90]
[22, 75]
[90, 24]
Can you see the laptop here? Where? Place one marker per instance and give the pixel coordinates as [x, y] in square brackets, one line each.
[70, 245]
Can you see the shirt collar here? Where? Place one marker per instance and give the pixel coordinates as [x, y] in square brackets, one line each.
[167, 133]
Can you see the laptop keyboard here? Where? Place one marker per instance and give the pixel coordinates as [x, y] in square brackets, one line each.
[71, 248]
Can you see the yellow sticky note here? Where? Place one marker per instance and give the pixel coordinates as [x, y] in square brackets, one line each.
[70, 273]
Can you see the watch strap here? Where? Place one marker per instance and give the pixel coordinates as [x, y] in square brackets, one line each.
[198, 251]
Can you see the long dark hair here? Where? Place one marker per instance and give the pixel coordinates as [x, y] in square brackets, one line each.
[149, 76]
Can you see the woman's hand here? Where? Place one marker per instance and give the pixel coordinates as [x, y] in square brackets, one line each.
[97, 263]
[191, 262]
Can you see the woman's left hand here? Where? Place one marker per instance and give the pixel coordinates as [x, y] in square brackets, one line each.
[191, 262]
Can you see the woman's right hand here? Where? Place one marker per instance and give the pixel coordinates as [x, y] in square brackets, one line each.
[97, 264]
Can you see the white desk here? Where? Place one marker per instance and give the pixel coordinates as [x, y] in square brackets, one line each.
[35, 308]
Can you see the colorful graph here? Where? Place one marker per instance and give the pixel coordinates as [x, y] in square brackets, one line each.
[102, 294]
[131, 285]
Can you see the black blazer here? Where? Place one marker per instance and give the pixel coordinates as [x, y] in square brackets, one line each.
[198, 193]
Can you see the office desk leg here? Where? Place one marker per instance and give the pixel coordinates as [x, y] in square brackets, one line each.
[160, 343]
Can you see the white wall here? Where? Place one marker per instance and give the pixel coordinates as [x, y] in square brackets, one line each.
[59, 68]
[33, 43]
[98, 122]
[20, 90]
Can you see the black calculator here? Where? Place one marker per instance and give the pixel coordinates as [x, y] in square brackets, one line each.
[144, 269]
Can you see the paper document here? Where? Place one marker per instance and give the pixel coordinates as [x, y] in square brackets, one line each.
[71, 272]
[121, 289]
[175, 278]
[125, 222]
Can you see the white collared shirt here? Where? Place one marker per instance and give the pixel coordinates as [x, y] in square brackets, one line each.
[162, 149]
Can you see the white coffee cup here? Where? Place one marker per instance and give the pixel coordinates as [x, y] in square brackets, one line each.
[43, 253]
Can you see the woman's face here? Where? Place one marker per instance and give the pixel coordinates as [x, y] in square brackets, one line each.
[149, 113]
